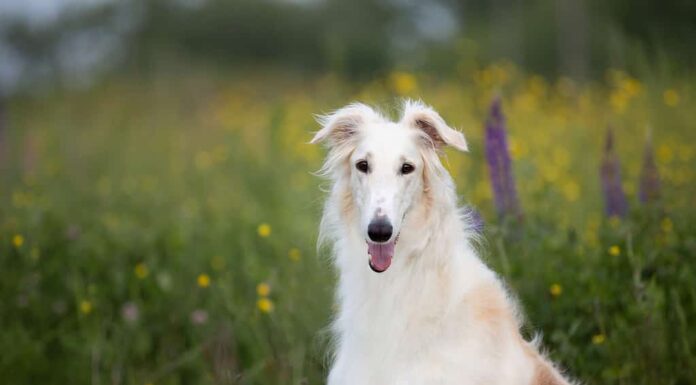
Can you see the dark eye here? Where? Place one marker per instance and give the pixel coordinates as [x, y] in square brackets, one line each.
[407, 168]
[362, 166]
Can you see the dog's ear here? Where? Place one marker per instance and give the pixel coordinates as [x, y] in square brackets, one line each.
[343, 124]
[422, 117]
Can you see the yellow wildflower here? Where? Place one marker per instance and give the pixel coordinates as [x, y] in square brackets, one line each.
[17, 241]
[500, 74]
[631, 86]
[403, 82]
[671, 97]
[571, 191]
[263, 289]
[618, 101]
[598, 339]
[483, 77]
[141, 270]
[265, 305]
[614, 251]
[294, 254]
[665, 154]
[515, 148]
[555, 290]
[85, 307]
[203, 280]
[537, 86]
[666, 225]
[264, 230]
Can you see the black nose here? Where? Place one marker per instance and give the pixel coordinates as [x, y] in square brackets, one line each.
[379, 230]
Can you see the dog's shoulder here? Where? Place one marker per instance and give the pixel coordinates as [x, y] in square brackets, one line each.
[490, 304]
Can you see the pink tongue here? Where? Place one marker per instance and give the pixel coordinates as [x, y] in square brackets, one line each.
[380, 255]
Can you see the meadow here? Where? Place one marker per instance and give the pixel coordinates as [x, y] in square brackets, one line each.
[162, 229]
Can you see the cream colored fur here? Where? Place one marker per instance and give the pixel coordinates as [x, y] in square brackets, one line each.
[438, 315]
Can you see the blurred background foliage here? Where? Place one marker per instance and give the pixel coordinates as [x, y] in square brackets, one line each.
[159, 216]
[357, 39]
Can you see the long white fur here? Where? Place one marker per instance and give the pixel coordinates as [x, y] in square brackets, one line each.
[421, 321]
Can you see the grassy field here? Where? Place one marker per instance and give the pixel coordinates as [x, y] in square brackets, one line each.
[162, 230]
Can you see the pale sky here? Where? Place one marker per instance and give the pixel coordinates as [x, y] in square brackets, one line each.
[41, 11]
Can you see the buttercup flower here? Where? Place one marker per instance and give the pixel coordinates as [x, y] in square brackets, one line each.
[614, 251]
[263, 289]
[141, 271]
[17, 241]
[265, 305]
[85, 307]
[264, 230]
[294, 254]
[598, 339]
[555, 290]
[203, 280]
[671, 97]
[403, 82]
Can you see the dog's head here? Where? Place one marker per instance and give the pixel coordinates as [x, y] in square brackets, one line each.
[385, 166]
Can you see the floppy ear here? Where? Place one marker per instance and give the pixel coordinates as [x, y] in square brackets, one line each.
[342, 124]
[422, 117]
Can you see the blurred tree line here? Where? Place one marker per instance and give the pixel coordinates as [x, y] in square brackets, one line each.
[359, 38]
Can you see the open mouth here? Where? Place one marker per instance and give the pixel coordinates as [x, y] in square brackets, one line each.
[381, 255]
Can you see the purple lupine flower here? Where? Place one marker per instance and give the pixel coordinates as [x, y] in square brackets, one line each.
[615, 204]
[649, 189]
[499, 163]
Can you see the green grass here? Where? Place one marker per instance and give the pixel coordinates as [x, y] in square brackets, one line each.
[123, 195]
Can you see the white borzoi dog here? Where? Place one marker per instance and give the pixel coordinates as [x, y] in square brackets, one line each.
[436, 314]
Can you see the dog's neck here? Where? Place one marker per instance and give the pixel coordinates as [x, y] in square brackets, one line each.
[427, 262]
[433, 259]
